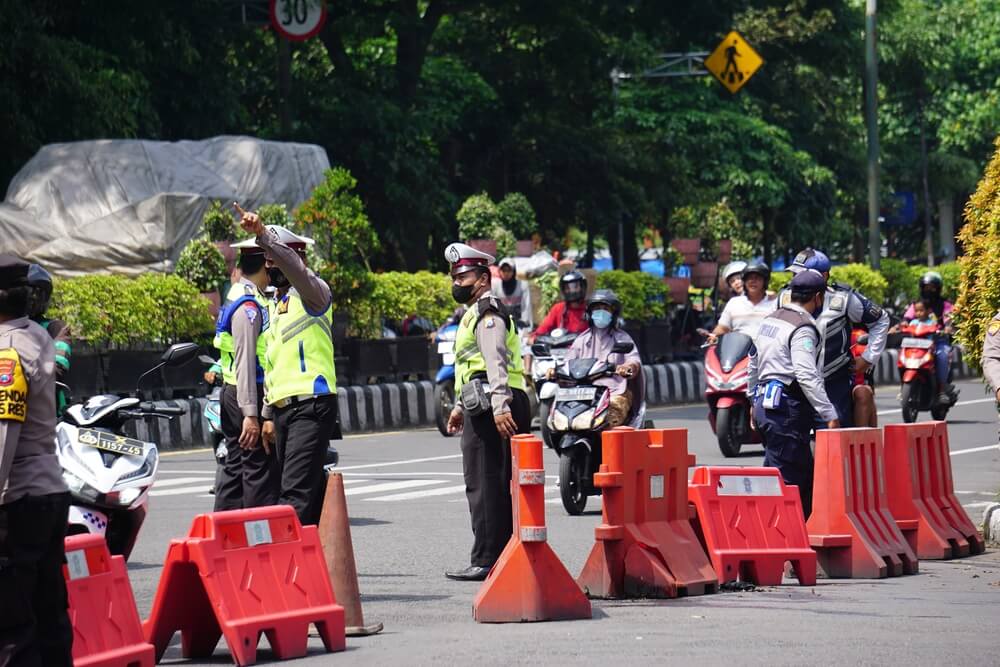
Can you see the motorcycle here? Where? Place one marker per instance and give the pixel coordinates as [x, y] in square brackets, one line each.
[213, 417]
[577, 419]
[444, 381]
[726, 376]
[548, 352]
[919, 390]
[108, 474]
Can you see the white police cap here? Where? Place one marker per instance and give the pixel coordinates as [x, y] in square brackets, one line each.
[290, 238]
[466, 258]
[247, 246]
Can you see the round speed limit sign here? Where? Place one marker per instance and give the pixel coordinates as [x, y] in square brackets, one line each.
[298, 20]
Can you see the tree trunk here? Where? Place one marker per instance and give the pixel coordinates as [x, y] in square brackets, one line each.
[928, 231]
[768, 237]
[946, 223]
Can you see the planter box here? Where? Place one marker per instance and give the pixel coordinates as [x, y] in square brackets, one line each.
[687, 247]
[216, 302]
[678, 288]
[657, 346]
[725, 251]
[370, 359]
[703, 274]
[489, 246]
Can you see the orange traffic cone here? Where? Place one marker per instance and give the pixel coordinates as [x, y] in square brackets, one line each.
[335, 537]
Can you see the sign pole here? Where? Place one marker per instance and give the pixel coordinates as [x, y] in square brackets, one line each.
[871, 120]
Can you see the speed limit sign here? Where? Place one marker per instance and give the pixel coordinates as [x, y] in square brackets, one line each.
[298, 20]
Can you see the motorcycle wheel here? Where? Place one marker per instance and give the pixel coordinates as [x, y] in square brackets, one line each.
[444, 399]
[543, 419]
[729, 444]
[907, 398]
[571, 474]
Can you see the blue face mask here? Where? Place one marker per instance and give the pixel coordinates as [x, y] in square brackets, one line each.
[601, 319]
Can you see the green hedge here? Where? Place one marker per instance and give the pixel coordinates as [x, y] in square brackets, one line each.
[121, 310]
[643, 296]
[397, 295]
[863, 278]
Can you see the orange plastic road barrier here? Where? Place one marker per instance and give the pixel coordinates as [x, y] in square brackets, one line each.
[923, 501]
[528, 581]
[645, 545]
[851, 528]
[106, 628]
[752, 523]
[335, 536]
[242, 573]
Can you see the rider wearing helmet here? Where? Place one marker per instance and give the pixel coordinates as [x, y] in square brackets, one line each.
[931, 285]
[569, 313]
[603, 310]
[743, 314]
[514, 294]
[843, 308]
[40, 283]
[732, 275]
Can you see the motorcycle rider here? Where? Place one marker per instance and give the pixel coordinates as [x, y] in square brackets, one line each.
[931, 284]
[569, 313]
[843, 308]
[743, 314]
[732, 276]
[40, 283]
[603, 311]
[514, 294]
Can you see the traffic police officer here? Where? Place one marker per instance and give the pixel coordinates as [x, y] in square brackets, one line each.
[34, 502]
[991, 355]
[843, 308]
[786, 384]
[248, 475]
[491, 405]
[299, 377]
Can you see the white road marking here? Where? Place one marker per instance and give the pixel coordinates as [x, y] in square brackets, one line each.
[402, 474]
[399, 463]
[426, 493]
[975, 449]
[163, 471]
[162, 483]
[974, 493]
[973, 402]
[184, 490]
[976, 505]
[391, 486]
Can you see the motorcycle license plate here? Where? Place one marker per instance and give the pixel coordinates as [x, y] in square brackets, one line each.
[921, 343]
[445, 347]
[575, 394]
[110, 442]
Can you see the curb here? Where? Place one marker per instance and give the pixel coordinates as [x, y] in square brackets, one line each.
[991, 524]
[380, 407]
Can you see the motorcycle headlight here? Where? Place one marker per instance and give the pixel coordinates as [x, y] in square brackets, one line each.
[79, 487]
[128, 496]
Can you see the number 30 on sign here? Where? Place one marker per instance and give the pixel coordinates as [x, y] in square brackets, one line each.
[298, 20]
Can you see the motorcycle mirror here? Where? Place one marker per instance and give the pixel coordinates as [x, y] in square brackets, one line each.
[540, 350]
[622, 347]
[179, 354]
[205, 359]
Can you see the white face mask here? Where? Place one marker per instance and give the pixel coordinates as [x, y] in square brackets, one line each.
[601, 319]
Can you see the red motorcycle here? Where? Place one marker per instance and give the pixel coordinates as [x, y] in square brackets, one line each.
[919, 390]
[726, 392]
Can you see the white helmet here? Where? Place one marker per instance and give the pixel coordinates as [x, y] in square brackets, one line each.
[733, 269]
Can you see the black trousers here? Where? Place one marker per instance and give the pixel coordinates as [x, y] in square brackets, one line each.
[303, 432]
[247, 477]
[486, 464]
[34, 625]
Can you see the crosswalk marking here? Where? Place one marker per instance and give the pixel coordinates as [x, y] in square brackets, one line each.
[162, 483]
[426, 493]
[390, 486]
[182, 490]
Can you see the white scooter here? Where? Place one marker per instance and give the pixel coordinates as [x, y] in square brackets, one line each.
[108, 474]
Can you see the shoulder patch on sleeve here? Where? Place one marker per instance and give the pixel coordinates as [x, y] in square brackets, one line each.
[251, 311]
[784, 298]
[993, 328]
[13, 387]
[488, 304]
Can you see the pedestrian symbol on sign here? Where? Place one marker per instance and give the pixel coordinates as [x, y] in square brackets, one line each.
[733, 62]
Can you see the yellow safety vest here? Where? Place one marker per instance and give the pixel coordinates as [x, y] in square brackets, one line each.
[469, 360]
[239, 294]
[299, 358]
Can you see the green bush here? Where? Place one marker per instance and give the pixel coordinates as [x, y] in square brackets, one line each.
[979, 285]
[517, 216]
[548, 284]
[396, 295]
[219, 223]
[643, 296]
[512, 219]
[121, 310]
[712, 224]
[900, 285]
[863, 278]
[202, 265]
[778, 280]
[951, 276]
[477, 217]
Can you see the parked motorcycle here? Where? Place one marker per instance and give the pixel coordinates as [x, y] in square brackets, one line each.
[108, 474]
[726, 376]
[548, 352]
[444, 381]
[919, 388]
[213, 417]
[577, 419]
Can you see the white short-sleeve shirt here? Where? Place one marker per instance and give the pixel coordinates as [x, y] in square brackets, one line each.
[742, 316]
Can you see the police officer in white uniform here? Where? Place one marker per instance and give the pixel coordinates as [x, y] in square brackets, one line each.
[843, 307]
[786, 386]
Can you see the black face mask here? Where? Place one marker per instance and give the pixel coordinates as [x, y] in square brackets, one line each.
[277, 278]
[463, 293]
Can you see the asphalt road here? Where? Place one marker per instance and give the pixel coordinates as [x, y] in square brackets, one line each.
[410, 523]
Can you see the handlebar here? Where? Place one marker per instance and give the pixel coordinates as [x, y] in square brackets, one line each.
[174, 412]
[147, 410]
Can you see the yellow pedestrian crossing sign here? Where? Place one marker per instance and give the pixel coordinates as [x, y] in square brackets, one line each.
[733, 62]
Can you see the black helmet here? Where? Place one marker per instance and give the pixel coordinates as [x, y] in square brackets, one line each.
[931, 279]
[573, 286]
[607, 298]
[40, 283]
[761, 269]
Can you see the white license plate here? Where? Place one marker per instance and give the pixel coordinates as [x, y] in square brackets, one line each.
[575, 394]
[921, 343]
[445, 347]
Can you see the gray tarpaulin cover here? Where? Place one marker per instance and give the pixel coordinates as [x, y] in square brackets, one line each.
[130, 206]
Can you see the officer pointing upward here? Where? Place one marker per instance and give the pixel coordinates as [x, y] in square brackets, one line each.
[786, 383]
[491, 405]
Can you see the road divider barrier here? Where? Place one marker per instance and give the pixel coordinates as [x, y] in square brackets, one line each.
[922, 494]
[645, 546]
[851, 527]
[240, 574]
[102, 611]
[338, 548]
[751, 523]
[528, 581]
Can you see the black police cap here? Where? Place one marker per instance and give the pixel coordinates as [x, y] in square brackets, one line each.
[13, 272]
[808, 281]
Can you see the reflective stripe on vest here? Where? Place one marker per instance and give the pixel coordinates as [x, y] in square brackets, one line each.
[470, 361]
[239, 294]
[299, 359]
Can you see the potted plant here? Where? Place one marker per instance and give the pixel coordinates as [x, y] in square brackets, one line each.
[202, 265]
[725, 251]
[703, 274]
[220, 226]
[688, 248]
